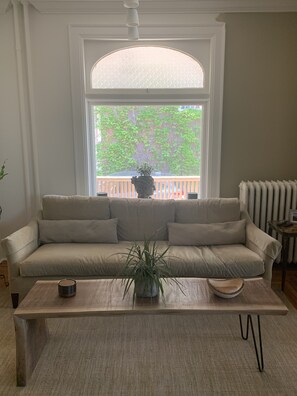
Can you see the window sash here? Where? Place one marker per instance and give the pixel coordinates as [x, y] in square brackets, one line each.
[204, 139]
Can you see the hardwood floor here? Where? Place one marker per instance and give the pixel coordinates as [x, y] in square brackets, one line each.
[290, 288]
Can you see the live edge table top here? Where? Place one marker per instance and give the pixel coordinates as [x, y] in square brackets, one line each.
[105, 297]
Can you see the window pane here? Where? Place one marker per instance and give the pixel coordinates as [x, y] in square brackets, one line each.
[147, 67]
[166, 137]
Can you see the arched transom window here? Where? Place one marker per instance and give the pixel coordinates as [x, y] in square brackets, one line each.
[148, 67]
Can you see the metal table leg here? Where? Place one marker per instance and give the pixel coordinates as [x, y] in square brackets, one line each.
[257, 343]
[285, 255]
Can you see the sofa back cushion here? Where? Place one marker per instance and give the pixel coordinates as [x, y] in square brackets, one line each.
[78, 231]
[205, 211]
[140, 219]
[75, 207]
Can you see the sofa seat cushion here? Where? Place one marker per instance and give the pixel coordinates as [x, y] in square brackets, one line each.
[86, 260]
[221, 261]
[75, 259]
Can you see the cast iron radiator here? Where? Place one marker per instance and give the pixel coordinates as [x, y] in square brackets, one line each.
[270, 200]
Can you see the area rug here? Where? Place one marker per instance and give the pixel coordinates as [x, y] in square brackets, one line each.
[154, 356]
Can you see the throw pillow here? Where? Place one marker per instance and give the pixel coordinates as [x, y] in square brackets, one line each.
[206, 234]
[78, 231]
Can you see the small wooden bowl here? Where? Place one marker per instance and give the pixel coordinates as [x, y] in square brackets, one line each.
[226, 288]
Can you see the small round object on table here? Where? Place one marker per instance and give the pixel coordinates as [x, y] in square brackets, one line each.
[226, 288]
[67, 288]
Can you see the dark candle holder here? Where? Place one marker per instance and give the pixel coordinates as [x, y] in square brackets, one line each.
[67, 288]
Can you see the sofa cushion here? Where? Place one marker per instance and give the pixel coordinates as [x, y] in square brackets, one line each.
[207, 234]
[221, 261]
[205, 211]
[78, 231]
[140, 219]
[75, 259]
[75, 207]
[106, 260]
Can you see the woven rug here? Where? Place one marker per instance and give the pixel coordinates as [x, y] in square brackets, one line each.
[154, 356]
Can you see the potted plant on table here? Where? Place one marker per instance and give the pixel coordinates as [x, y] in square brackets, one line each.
[146, 269]
[144, 183]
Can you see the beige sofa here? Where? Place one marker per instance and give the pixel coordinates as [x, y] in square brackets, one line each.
[83, 237]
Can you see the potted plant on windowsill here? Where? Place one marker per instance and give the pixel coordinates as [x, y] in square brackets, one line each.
[146, 269]
[144, 183]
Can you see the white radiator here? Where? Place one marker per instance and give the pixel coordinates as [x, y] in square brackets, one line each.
[270, 200]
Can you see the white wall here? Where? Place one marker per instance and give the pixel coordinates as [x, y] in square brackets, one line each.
[259, 140]
[12, 195]
[53, 109]
[52, 96]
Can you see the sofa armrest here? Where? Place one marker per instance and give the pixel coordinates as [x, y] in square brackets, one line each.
[20, 245]
[261, 243]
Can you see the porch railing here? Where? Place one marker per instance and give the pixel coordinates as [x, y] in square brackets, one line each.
[174, 187]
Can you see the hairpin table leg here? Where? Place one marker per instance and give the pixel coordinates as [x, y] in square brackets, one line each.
[257, 343]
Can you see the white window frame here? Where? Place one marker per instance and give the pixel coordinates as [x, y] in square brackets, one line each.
[82, 99]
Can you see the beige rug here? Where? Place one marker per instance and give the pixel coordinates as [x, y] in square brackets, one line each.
[154, 356]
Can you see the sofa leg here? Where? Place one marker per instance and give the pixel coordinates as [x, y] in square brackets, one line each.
[15, 299]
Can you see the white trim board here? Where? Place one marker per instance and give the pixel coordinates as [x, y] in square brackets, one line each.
[164, 6]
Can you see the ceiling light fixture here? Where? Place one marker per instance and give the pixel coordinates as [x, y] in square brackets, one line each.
[131, 3]
[133, 33]
[132, 18]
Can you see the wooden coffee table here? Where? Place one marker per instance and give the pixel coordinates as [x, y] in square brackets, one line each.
[104, 297]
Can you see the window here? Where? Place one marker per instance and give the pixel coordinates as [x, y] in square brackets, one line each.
[166, 136]
[147, 67]
[196, 55]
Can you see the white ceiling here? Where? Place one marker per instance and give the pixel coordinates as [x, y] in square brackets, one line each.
[159, 6]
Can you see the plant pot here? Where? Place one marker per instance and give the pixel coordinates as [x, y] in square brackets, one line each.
[146, 288]
[144, 186]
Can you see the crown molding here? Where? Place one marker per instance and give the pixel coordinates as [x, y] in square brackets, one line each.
[159, 6]
[4, 5]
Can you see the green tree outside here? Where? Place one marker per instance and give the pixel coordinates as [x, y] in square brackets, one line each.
[166, 137]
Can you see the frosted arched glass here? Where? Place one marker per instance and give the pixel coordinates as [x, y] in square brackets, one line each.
[147, 67]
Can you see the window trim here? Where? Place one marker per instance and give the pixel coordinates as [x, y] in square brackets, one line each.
[81, 99]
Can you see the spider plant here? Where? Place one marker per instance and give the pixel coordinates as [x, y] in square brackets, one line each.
[146, 267]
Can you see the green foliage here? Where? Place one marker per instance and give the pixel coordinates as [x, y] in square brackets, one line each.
[144, 169]
[146, 264]
[2, 171]
[166, 137]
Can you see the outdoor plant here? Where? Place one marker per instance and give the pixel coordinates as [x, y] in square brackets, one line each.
[167, 137]
[146, 269]
[144, 183]
[144, 169]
